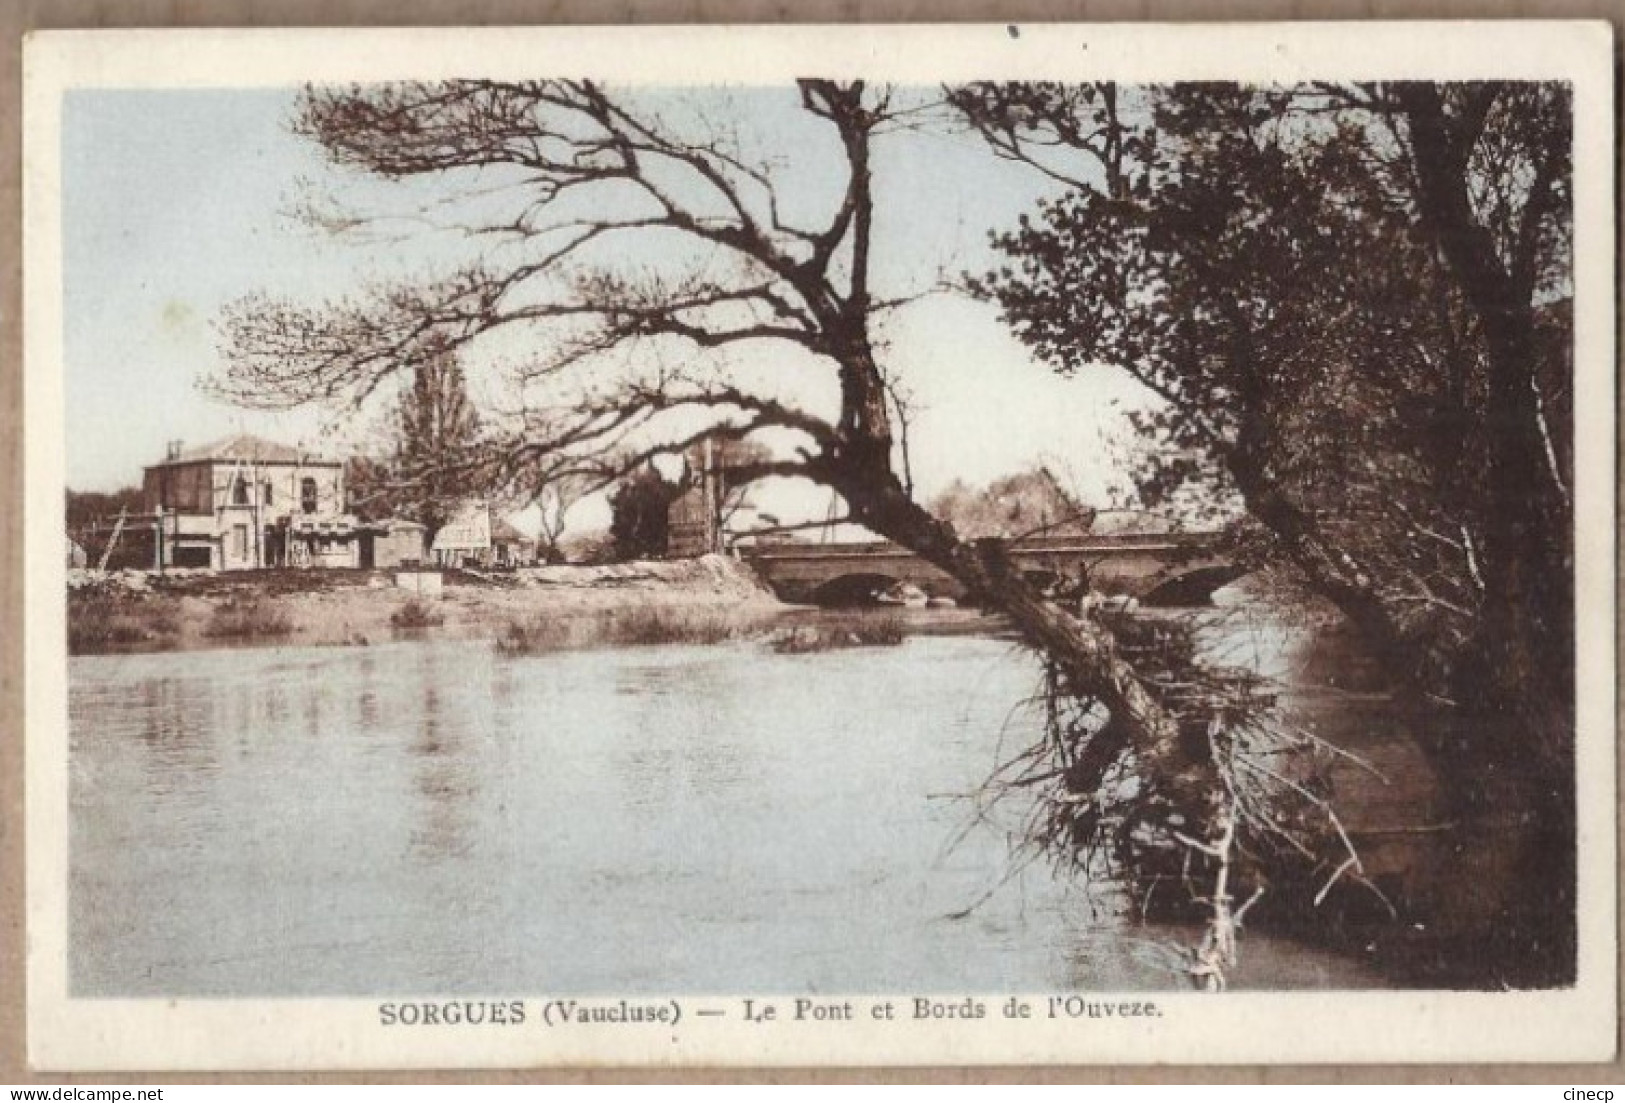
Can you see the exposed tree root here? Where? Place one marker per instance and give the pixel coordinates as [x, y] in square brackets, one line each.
[1102, 815]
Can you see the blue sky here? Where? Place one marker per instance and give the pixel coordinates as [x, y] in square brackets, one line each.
[178, 202]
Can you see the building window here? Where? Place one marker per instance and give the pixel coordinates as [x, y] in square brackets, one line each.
[307, 495]
[239, 492]
[268, 493]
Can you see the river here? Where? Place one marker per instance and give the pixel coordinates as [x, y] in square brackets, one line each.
[439, 818]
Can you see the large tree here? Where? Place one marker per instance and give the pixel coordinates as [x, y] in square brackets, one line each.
[631, 234]
[1028, 503]
[87, 509]
[433, 459]
[1353, 304]
[640, 514]
[554, 501]
[652, 285]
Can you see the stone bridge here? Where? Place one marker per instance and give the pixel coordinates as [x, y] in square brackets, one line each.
[1158, 569]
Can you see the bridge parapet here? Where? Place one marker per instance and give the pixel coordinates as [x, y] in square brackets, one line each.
[1181, 566]
[1106, 545]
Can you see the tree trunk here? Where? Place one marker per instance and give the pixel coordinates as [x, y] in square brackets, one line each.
[1085, 651]
[1515, 752]
[1527, 564]
[1328, 569]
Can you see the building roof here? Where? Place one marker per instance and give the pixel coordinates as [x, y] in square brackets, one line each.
[246, 448]
[504, 533]
[469, 530]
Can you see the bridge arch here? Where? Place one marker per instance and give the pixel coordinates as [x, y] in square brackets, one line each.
[1170, 567]
[1191, 587]
[855, 589]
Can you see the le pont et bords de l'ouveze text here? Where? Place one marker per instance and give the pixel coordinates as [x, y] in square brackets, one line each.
[756, 1011]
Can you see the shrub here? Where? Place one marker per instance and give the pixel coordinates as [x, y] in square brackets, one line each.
[861, 630]
[236, 619]
[415, 614]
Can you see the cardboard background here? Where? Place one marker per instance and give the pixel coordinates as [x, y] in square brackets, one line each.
[19, 16]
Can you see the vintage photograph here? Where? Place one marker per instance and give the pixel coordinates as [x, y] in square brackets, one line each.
[887, 555]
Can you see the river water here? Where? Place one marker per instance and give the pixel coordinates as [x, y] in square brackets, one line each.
[439, 818]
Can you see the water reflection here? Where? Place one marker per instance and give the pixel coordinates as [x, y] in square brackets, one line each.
[434, 817]
[446, 781]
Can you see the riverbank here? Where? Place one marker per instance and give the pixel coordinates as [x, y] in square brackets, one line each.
[190, 611]
[541, 608]
[1413, 911]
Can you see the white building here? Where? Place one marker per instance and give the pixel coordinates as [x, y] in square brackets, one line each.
[245, 502]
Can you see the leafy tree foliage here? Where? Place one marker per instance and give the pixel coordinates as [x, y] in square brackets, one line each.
[639, 525]
[1266, 267]
[1354, 305]
[92, 507]
[436, 461]
[92, 517]
[1319, 282]
[1028, 503]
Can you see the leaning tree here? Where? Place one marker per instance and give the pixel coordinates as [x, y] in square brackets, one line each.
[1354, 302]
[649, 285]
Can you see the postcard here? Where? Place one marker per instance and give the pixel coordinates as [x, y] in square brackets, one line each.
[762, 545]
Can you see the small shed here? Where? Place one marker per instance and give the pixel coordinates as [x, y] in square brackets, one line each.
[510, 547]
[465, 540]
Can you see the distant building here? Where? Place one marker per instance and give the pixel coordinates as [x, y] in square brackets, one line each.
[245, 502]
[694, 520]
[465, 540]
[510, 547]
[474, 538]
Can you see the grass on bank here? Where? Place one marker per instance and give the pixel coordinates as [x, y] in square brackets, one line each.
[874, 629]
[628, 627]
[706, 625]
[246, 620]
[100, 622]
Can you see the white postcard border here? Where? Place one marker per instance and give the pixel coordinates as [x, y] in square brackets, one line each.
[1573, 1025]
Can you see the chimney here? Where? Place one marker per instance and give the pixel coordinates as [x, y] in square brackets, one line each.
[174, 451]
